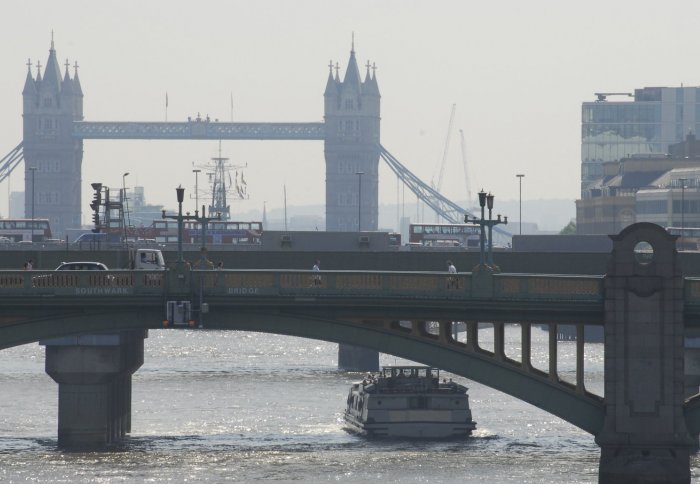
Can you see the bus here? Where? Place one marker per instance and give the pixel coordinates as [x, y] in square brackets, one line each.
[25, 229]
[218, 232]
[688, 237]
[445, 235]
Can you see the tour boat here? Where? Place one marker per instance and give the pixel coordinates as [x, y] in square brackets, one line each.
[409, 402]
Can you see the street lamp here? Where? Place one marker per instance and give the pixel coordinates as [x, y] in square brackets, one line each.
[33, 169]
[682, 180]
[126, 203]
[486, 200]
[520, 186]
[359, 200]
[482, 235]
[196, 172]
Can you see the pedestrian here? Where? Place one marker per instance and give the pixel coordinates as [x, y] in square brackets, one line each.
[452, 280]
[30, 265]
[220, 265]
[317, 269]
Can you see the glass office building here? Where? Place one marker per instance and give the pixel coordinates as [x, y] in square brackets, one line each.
[615, 127]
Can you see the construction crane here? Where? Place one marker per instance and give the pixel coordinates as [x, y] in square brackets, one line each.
[446, 148]
[467, 185]
[441, 173]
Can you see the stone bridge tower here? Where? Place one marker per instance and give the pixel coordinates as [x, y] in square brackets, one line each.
[352, 146]
[51, 154]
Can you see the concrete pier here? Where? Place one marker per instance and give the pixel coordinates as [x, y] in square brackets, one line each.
[93, 373]
[644, 438]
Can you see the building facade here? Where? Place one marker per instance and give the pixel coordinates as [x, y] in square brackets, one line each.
[352, 119]
[52, 156]
[661, 189]
[655, 118]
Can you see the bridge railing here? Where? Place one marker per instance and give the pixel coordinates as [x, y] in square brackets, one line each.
[292, 282]
[399, 284]
[549, 287]
[82, 283]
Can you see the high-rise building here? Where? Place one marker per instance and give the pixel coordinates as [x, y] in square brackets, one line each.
[654, 119]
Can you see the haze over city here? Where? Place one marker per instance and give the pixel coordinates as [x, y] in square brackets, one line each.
[517, 74]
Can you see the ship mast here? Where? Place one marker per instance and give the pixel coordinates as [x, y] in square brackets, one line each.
[223, 188]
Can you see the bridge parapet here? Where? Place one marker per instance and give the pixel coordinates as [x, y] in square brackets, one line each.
[523, 287]
[81, 283]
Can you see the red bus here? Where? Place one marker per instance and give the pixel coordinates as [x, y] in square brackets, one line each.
[218, 232]
[445, 235]
[25, 229]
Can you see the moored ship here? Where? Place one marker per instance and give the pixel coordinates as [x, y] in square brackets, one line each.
[409, 402]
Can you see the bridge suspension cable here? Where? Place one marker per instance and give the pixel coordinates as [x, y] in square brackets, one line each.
[10, 161]
[442, 206]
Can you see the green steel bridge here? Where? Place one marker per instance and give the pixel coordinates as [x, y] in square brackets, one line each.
[646, 307]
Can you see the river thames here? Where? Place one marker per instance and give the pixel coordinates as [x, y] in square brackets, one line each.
[211, 406]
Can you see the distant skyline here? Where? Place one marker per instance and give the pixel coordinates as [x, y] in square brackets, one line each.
[517, 73]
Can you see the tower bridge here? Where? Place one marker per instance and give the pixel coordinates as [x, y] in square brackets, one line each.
[646, 422]
[54, 130]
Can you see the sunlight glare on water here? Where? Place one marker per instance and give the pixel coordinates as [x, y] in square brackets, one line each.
[211, 406]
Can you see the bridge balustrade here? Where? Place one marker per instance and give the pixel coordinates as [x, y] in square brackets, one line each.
[332, 283]
[81, 283]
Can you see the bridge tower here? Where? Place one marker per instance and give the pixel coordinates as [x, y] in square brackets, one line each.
[644, 436]
[50, 105]
[352, 118]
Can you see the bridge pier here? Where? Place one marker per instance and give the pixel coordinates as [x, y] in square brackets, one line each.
[93, 373]
[644, 438]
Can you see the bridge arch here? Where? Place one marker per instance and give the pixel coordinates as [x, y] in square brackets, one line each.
[535, 387]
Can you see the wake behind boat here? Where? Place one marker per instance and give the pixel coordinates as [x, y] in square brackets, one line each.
[409, 402]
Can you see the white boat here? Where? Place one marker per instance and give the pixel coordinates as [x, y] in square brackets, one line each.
[409, 402]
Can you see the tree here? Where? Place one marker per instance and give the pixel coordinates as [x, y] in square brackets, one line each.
[570, 229]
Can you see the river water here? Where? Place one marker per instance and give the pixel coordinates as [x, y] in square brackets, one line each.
[211, 406]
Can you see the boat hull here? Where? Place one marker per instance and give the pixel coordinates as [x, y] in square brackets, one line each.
[409, 429]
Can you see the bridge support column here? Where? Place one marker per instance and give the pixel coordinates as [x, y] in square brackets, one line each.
[644, 436]
[93, 373]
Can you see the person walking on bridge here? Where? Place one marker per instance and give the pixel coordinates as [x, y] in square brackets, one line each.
[317, 276]
[452, 280]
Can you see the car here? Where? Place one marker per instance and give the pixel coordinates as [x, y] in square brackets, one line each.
[5, 240]
[81, 266]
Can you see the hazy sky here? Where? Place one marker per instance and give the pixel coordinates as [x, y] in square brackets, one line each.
[517, 72]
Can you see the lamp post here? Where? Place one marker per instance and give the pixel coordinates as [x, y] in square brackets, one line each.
[520, 186]
[682, 180]
[482, 204]
[359, 200]
[126, 204]
[180, 220]
[33, 169]
[486, 200]
[196, 172]
[180, 197]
